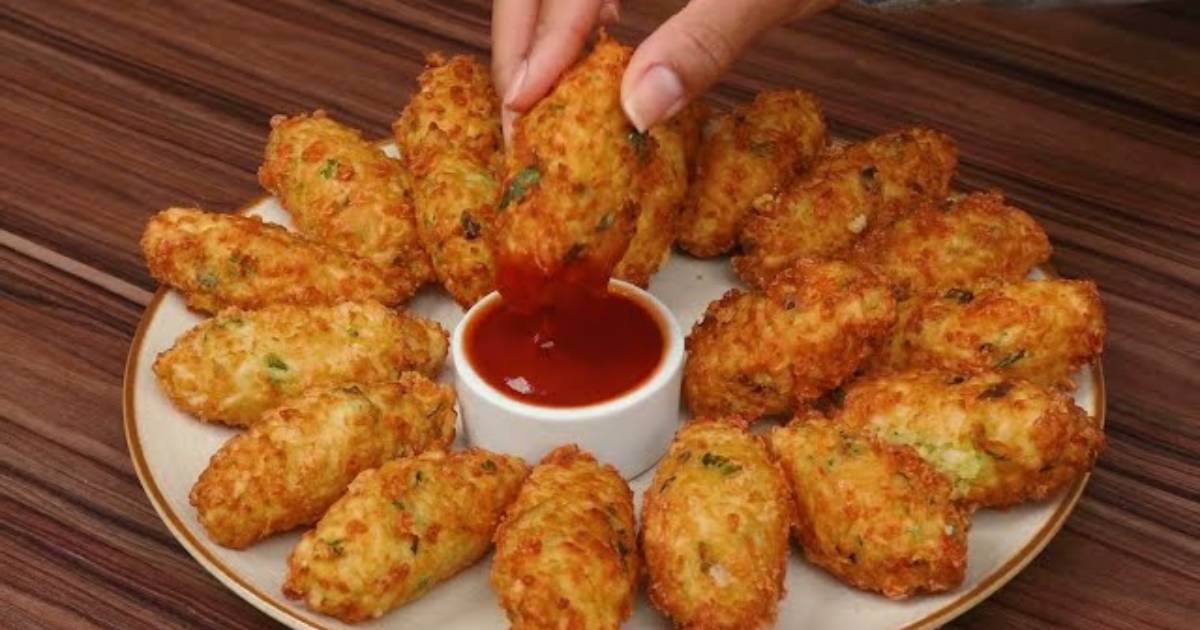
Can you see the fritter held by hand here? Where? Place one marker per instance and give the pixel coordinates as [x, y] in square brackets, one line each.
[222, 260]
[875, 516]
[662, 182]
[345, 192]
[449, 139]
[569, 203]
[290, 467]
[715, 527]
[1000, 440]
[234, 367]
[1038, 330]
[764, 352]
[400, 530]
[566, 551]
[749, 152]
[850, 191]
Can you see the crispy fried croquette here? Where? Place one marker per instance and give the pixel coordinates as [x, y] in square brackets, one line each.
[569, 203]
[954, 243]
[239, 364]
[1000, 440]
[400, 530]
[662, 181]
[749, 152]
[1037, 330]
[566, 551]
[345, 192]
[293, 464]
[715, 526]
[861, 188]
[225, 260]
[449, 139]
[875, 516]
[763, 352]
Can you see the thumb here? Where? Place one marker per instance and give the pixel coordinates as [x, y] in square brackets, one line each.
[691, 50]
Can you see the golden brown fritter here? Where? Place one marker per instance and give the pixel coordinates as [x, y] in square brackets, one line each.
[749, 152]
[234, 367]
[290, 467]
[955, 243]
[449, 139]
[222, 260]
[400, 530]
[566, 551]
[690, 121]
[569, 206]
[764, 352]
[662, 181]
[875, 516]
[1000, 440]
[345, 192]
[715, 527]
[1038, 330]
[850, 191]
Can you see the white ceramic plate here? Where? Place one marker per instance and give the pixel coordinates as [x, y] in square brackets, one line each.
[170, 449]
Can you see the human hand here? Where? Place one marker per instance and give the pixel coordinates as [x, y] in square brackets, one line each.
[534, 41]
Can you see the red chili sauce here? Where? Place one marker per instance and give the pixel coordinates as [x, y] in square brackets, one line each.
[567, 358]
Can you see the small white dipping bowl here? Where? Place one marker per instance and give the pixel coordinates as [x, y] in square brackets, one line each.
[630, 431]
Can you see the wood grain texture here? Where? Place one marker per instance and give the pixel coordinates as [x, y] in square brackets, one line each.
[1089, 118]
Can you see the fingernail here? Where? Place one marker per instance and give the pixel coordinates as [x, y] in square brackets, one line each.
[656, 96]
[507, 118]
[610, 13]
[518, 82]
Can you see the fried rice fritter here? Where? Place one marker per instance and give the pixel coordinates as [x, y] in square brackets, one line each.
[1037, 330]
[1000, 440]
[226, 260]
[715, 525]
[763, 352]
[292, 465]
[449, 139]
[569, 203]
[956, 243]
[566, 551]
[861, 188]
[236, 366]
[400, 530]
[875, 516]
[345, 192]
[749, 152]
[662, 182]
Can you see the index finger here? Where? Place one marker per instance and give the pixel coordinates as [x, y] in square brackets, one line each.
[514, 23]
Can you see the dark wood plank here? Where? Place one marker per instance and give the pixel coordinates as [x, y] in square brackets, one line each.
[1089, 118]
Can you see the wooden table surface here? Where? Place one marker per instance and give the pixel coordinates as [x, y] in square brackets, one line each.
[1090, 118]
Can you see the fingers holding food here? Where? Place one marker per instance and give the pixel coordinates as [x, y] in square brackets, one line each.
[1000, 440]
[749, 152]
[875, 516]
[345, 192]
[400, 530]
[568, 206]
[566, 551]
[224, 260]
[449, 139]
[293, 464]
[862, 187]
[715, 526]
[1037, 330]
[764, 352]
[239, 364]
